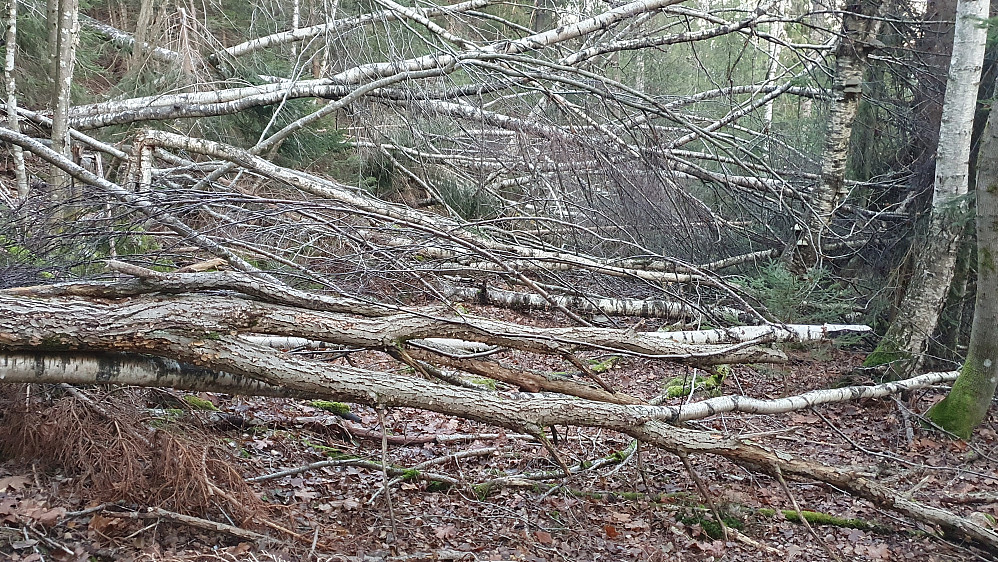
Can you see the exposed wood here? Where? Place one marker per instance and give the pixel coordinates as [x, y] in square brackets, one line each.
[77, 323]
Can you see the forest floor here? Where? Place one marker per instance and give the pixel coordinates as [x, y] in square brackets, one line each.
[642, 506]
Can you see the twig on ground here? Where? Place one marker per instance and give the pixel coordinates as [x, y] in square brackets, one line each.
[160, 513]
[432, 462]
[909, 432]
[703, 492]
[384, 472]
[742, 537]
[800, 515]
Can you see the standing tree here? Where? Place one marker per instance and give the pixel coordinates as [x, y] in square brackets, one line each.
[860, 25]
[935, 260]
[965, 406]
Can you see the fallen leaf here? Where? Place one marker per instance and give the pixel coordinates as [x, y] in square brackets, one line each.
[445, 532]
[637, 525]
[620, 517]
[21, 545]
[306, 494]
[544, 537]
[46, 517]
[611, 531]
[880, 551]
[241, 548]
[348, 504]
[14, 483]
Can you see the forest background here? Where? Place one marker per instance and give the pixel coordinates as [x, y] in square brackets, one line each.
[259, 198]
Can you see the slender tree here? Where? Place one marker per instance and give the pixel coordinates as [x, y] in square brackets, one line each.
[968, 401]
[860, 25]
[20, 173]
[64, 62]
[935, 259]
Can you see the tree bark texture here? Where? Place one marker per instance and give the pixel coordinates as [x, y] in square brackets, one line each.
[10, 83]
[205, 332]
[967, 403]
[64, 63]
[860, 26]
[935, 259]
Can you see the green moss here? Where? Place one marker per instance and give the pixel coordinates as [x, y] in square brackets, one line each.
[330, 452]
[887, 351]
[438, 486]
[482, 491]
[199, 403]
[604, 365]
[962, 410]
[708, 523]
[52, 343]
[338, 408]
[710, 385]
[818, 518]
[486, 382]
[986, 261]
[410, 474]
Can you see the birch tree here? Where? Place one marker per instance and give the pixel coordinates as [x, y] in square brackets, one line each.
[63, 51]
[860, 25]
[10, 83]
[967, 403]
[935, 258]
[482, 155]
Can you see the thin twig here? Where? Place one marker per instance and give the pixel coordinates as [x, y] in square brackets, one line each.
[384, 472]
[800, 515]
[160, 513]
[703, 492]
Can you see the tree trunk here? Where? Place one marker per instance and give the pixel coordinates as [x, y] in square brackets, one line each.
[176, 328]
[936, 258]
[860, 26]
[64, 62]
[20, 173]
[965, 406]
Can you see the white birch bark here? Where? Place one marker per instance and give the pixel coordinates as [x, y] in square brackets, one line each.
[966, 406]
[20, 173]
[652, 308]
[69, 31]
[86, 325]
[341, 25]
[859, 31]
[935, 259]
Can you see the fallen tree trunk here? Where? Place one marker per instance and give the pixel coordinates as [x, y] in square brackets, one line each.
[152, 371]
[651, 308]
[153, 327]
[328, 319]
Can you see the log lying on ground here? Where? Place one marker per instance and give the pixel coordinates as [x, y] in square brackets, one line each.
[148, 327]
[222, 315]
[152, 371]
[650, 308]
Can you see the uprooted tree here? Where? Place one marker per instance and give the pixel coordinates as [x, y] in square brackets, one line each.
[576, 163]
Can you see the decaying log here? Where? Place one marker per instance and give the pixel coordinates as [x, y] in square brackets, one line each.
[212, 315]
[207, 336]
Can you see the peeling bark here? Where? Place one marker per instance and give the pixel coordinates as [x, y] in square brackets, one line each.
[148, 326]
[860, 26]
[935, 258]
